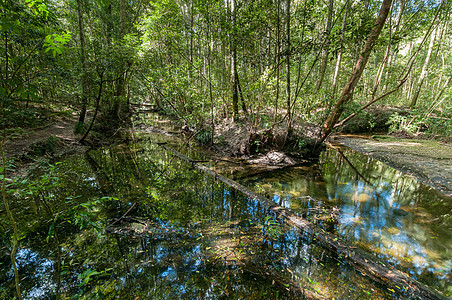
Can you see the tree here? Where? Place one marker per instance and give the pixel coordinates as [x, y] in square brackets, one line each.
[234, 75]
[358, 69]
[325, 48]
[420, 82]
[288, 101]
[85, 83]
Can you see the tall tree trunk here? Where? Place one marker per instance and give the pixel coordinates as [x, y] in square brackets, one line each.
[192, 30]
[393, 52]
[242, 99]
[85, 83]
[325, 50]
[235, 94]
[277, 58]
[347, 92]
[339, 54]
[421, 80]
[289, 117]
[385, 61]
[120, 82]
[209, 60]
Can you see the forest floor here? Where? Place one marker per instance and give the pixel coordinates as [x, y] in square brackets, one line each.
[427, 160]
[56, 139]
[62, 128]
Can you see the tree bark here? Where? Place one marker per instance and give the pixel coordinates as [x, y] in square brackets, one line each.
[85, 83]
[421, 80]
[289, 116]
[347, 92]
[325, 50]
[235, 95]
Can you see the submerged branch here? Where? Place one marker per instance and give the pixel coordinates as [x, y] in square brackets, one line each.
[358, 258]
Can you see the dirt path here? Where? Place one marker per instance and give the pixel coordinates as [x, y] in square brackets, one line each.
[428, 161]
[62, 129]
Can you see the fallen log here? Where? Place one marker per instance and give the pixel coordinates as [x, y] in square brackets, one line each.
[361, 260]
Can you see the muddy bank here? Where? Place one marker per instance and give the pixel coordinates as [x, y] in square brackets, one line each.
[428, 161]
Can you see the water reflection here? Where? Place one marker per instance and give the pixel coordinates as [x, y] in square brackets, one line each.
[132, 221]
[381, 209]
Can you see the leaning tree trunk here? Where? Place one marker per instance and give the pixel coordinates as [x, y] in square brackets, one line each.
[347, 92]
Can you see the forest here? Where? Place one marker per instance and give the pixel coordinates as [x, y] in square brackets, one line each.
[240, 76]
[264, 64]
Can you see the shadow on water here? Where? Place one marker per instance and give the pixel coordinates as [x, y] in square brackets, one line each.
[373, 205]
[132, 222]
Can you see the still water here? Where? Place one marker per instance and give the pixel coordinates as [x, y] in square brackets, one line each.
[133, 222]
[380, 209]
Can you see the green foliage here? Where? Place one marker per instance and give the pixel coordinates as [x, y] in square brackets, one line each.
[38, 7]
[272, 228]
[87, 215]
[438, 126]
[417, 121]
[46, 147]
[204, 136]
[79, 127]
[56, 42]
[89, 275]
[398, 122]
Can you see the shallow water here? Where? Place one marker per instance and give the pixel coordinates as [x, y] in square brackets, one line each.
[133, 222]
[376, 207]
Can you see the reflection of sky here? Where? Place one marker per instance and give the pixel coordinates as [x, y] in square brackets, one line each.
[176, 265]
[42, 273]
[384, 214]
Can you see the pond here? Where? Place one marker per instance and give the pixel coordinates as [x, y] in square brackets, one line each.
[131, 221]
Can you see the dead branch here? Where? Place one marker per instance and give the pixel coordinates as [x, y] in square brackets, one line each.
[361, 260]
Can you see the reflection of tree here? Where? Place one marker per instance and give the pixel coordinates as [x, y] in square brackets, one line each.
[391, 213]
[381, 208]
[101, 177]
[181, 200]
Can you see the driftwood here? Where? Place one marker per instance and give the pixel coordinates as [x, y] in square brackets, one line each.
[364, 262]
